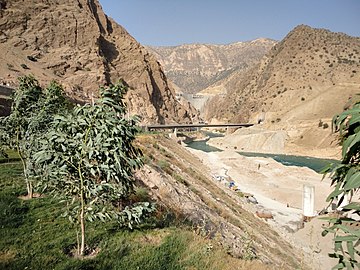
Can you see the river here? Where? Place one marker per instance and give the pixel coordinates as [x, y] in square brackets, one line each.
[316, 164]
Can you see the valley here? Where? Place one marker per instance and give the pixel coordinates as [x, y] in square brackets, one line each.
[222, 207]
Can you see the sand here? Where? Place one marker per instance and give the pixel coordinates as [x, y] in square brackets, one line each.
[278, 189]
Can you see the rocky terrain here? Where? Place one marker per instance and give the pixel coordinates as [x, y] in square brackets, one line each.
[193, 67]
[75, 43]
[298, 87]
[185, 184]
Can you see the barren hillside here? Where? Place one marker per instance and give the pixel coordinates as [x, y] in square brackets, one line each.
[193, 67]
[298, 87]
[309, 75]
[75, 43]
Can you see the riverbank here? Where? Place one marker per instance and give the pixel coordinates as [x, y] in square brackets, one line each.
[306, 140]
[278, 190]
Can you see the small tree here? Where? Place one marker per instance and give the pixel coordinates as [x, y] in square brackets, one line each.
[88, 159]
[33, 109]
[346, 181]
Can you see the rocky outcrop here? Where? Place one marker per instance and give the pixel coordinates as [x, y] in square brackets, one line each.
[75, 43]
[193, 67]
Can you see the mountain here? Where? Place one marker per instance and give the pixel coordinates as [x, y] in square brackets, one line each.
[75, 43]
[306, 79]
[310, 74]
[193, 67]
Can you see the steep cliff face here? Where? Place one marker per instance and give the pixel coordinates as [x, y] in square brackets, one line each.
[75, 43]
[309, 75]
[193, 67]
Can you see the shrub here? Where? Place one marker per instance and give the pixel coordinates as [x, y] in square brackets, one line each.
[32, 58]
[24, 66]
[163, 164]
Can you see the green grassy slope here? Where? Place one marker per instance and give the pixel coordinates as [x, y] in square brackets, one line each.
[33, 235]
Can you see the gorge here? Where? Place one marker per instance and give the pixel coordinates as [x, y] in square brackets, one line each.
[289, 89]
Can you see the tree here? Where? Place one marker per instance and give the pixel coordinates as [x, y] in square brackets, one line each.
[88, 159]
[346, 181]
[32, 110]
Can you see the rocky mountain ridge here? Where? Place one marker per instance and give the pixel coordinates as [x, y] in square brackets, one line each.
[306, 79]
[307, 64]
[75, 43]
[193, 67]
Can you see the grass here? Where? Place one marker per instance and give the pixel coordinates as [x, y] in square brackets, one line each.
[33, 235]
[12, 156]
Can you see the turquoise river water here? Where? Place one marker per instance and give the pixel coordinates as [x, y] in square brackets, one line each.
[316, 164]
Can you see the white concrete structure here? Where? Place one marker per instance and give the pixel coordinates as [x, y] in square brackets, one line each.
[309, 201]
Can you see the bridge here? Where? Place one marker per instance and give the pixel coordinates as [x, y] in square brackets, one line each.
[172, 126]
[175, 127]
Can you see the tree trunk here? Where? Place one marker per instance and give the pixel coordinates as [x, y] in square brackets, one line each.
[82, 224]
[23, 161]
[29, 188]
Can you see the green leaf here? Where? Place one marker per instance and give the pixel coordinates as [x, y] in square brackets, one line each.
[352, 206]
[346, 145]
[354, 120]
[340, 239]
[335, 193]
[339, 266]
[353, 182]
[350, 248]
[355, 140]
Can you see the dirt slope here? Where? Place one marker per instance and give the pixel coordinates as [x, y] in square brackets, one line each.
[182, 182]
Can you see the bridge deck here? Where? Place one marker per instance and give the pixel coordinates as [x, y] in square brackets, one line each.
[172, 126]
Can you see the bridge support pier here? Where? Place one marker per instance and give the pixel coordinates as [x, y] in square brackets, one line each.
[175, 132]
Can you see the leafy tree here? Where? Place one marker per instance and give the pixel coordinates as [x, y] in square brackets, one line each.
[346, 181]
[33, 109]
[88, 158]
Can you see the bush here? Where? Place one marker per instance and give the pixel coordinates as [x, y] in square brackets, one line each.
[32, 58]
[163, 164]
[24, 66]
[320, 123]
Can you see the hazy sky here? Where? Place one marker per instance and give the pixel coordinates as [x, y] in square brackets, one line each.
[174, 22]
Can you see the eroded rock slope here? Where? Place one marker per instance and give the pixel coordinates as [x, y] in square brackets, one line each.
[75, 43]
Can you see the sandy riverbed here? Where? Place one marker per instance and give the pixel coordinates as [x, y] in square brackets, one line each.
[279, 189]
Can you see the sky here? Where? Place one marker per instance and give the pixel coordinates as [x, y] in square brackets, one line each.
[176, 22]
